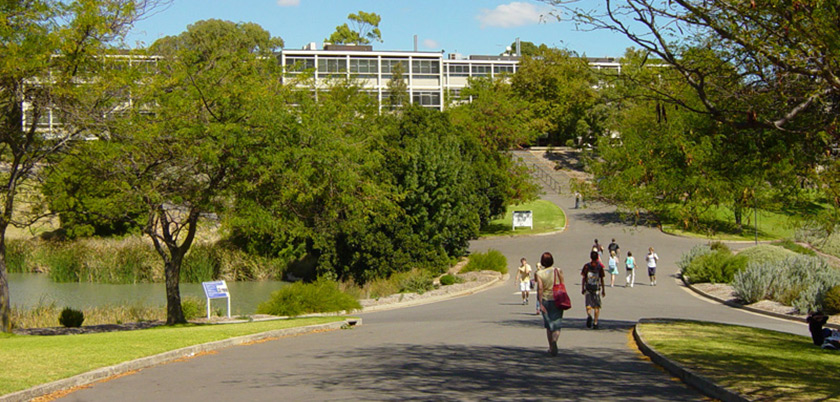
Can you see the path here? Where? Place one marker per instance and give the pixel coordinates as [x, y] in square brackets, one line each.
[484, 346]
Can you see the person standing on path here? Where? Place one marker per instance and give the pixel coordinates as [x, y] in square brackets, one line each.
[630, 267]
[612, 263]
[613, 248]
[651, 259]
[592, 283]
[537, 289]
[524, 279]
[552, 316]
[598, 247]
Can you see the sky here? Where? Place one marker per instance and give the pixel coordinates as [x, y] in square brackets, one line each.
[467, 27]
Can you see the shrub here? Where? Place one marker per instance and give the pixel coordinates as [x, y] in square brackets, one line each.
[450, 279]
[831, 303]
[715, 267]
[766, 253]
[71, 318]
[492, 260]
[696, 251]
[200, 264]
[321, 296]
[17, 255]
[799, 281]
[796, 248]
[718, 246]
[192, 307]
[414, 281]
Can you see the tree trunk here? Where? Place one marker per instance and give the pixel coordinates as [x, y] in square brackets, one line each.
[174, 313]
[738, 215]
[5, 306]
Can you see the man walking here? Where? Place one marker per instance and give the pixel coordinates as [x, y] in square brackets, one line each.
[613, 248]
[524, 280]
[592, 287]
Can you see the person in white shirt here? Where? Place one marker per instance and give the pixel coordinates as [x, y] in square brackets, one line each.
[524, 280]
[651, 259]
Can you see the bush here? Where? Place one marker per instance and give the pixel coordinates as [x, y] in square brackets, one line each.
[715, 267]
[71, 318]
[832, 300]
[193, 307]
[414, 281]
[764, 253]
[718, 246]
[796, 248]
[450, 279]
[799, 281]
[687, 258]
[321, 296]
[493, 260]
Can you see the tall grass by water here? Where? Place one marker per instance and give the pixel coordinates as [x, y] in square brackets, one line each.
[134, 260]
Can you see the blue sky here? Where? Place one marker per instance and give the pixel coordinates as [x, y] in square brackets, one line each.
[454, 26]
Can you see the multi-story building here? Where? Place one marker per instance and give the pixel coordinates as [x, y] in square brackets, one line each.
[429, 76]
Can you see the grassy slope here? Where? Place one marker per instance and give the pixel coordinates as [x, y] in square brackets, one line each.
[27, 361]
[771, 226]
[547, 218]
[757, 363]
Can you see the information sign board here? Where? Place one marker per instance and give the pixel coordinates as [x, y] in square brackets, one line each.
[523, 218]
[216, 290]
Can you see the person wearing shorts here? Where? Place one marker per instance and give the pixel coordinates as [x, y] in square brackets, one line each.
[592, 283]
[524, 280]
[552, 316]
[651, 259]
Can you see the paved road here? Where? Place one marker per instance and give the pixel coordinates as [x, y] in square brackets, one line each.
[484, 346]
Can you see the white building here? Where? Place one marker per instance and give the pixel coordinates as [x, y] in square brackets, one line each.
[428, 75]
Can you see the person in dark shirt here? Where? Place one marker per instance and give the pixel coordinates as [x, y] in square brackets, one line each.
[816, 320]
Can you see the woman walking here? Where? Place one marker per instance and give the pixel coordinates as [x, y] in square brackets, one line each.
[630, 267]
[651, 259]
[613, 267]
[552, 316]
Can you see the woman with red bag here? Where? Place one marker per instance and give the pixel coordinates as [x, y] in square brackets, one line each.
[552, 315]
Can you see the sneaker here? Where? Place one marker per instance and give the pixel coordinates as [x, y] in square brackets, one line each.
[589, 321]
[595, 326]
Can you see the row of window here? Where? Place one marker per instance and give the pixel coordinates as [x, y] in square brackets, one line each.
[368, 67]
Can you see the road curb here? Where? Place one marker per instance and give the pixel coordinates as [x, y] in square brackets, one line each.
[706, 386]
[748, 308]
[434, 299]
[149, 361]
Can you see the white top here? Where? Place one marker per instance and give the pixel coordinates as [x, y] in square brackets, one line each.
[651, 260]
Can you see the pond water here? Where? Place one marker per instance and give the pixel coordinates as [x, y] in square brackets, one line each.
[28, 290]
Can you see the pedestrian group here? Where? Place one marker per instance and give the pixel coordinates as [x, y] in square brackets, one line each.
[549, 284]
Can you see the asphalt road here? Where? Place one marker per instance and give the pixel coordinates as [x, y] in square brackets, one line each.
[481, 347]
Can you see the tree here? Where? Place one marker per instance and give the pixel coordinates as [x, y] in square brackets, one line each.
[365, 29]
[559, 88]
[46, 49]
[525, 48]
[397, 88]
[183, 147]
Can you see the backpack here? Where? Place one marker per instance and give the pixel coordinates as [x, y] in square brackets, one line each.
[593, 279]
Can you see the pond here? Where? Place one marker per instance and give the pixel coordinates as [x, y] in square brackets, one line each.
[28, 290]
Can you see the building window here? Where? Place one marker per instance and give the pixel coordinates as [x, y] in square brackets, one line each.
[503, 69]
[332, 66]
[427, 99]
[459, 70]
[389, 64]
[298, 64]
[481, 70]
[364, 68]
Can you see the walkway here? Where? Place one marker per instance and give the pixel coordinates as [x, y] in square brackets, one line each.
[485, 346]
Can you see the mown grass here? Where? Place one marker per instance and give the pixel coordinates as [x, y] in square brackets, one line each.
[757, 363]
[28, 361]
[719, 224]
[548, 217]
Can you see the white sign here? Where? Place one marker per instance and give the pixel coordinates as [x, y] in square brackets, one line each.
[216, 290]
[523, 218]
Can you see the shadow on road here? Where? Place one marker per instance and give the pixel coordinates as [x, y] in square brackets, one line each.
[461, 372]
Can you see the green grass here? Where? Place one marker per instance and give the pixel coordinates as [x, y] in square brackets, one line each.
[548, 217]
[31, 360]
[720, 222]
[757, 363]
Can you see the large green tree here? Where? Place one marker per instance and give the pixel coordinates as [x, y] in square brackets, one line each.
[365, 28]
[46, 49]
[766, 69]
[186, 142]
[559, 86]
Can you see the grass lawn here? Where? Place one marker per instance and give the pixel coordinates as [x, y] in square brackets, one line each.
[29, 360]
[548, 217]
[757, 363]
[771, 226]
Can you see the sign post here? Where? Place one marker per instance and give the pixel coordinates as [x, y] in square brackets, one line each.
[216, 290]
[523, 218]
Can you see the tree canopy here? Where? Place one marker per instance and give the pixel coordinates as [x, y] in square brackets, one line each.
[365, 28]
